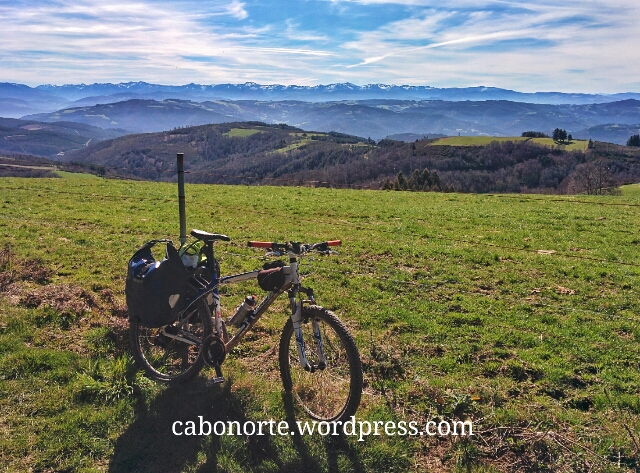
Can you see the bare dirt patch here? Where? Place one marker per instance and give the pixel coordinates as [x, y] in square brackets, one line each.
[26, 283]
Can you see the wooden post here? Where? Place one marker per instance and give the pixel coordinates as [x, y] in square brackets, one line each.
[181, 201]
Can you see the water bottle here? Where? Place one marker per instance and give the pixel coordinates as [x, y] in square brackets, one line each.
[243, 311]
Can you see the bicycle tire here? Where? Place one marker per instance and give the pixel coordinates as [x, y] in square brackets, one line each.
[331, 394]
[170, 360]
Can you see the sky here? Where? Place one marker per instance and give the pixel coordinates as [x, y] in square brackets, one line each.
[586, 46]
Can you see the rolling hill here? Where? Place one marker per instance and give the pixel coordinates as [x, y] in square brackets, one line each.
[52, 140]
[258, 153]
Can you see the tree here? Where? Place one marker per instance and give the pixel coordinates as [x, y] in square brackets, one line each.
[569, 137]
[593, 177]
[400, 183]
[590, 145]
[634, 141]
[435, 181]
[559, 134]
[534, 134]
[415, 182]
[426, 180]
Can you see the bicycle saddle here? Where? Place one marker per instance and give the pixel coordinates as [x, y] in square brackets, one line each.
[206, 236]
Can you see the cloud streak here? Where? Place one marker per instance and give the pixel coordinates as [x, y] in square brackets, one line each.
[571, 46]
[464, 40]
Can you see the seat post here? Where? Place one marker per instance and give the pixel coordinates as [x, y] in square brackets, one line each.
[209, 252]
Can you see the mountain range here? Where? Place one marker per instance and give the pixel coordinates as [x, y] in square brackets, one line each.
[376, 119]
[17, 100]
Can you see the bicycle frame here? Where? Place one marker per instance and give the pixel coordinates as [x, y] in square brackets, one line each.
[292, 286]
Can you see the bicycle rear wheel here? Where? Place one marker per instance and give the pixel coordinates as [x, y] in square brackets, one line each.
[328, 394]
[168, 359]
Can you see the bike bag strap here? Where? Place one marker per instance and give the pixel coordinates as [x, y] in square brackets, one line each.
[273, 264]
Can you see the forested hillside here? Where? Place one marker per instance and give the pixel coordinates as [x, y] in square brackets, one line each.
[49, 139]
[256, 153]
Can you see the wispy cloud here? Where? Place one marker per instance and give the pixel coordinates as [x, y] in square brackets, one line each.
[517, 39]
[468, 39]
[93, 41]
[518, 44]
[236, 9]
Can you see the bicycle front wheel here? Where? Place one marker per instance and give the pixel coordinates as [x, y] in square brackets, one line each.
[172, 353]
[331, 393]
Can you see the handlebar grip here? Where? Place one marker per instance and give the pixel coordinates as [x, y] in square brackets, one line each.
[260, 244]
[334, 243]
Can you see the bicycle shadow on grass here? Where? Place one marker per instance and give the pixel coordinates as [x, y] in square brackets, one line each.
[334, 446]
[149, 445]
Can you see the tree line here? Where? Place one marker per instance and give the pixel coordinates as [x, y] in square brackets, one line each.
[418, 181]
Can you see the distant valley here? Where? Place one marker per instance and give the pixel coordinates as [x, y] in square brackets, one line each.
[52, 140]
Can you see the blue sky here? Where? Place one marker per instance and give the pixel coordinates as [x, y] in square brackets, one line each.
[569, 46]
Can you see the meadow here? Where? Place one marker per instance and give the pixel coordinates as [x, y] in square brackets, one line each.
[518, 312]
[574, 145]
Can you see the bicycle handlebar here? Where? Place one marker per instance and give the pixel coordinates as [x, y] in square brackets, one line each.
[260, 244]
[294, 246]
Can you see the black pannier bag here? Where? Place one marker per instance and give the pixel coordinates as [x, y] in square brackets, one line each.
[155, 290]
[271, 278]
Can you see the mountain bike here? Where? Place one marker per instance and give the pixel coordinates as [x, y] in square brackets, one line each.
[319, 361]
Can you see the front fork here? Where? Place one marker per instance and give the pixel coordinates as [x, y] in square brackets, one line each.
[296, 318]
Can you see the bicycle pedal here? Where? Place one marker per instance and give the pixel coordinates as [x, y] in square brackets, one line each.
[216, 380]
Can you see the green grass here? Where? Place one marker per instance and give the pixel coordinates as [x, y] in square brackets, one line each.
[485, 140]
[574, 145]
[631, 190]
[242, 132]
[520, 311]
[473, 140]
[303, 139]
[292, 146]
[76, 175]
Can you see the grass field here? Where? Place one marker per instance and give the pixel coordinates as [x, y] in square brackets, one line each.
[518, 312]
[76, 175]
[303, 139]
[631, 190]
[242, 132]
[485, 140]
